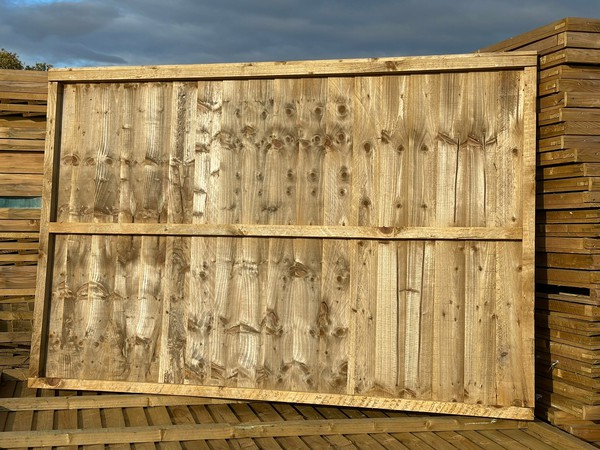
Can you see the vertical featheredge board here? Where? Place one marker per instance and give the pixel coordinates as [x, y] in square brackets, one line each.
[352, 232]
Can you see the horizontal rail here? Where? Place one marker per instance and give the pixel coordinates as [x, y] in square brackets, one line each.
[290, 231]
[341, 67]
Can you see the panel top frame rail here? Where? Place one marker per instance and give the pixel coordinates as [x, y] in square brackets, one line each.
[338, 67]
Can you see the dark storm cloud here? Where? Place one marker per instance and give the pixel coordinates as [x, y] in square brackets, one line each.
[94, 32]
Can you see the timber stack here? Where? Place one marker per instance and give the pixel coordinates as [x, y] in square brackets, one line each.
[23, 97]
[568, 222]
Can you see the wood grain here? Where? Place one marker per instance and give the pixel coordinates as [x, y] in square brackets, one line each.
[329, 239]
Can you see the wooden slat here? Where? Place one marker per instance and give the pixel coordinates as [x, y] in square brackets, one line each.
[555, 437]
[44, 272]
[19, 213]
[17, 277]
[579, 216]
[580, 230]
[568, 277]
[568, 261]
[569, 128]
[573, 244]
[569, 156]
[570, 56]
[173, 433]
[373, 66]
[14, 107]
[570, 185]
[19, 225]
[570, 100]
[569, 200]
[18, 337]
[577, 72]
[77, 402]
[569, 85]
[19, 162]
[7, 96]
[570, 171]
[571, 304]
[20, 75]
[554, 115]
[21, 185]
[567, 24]
[303, 397]
[297, 231]
[569, 142]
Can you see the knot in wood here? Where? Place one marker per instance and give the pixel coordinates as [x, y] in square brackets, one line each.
[387, 230]
[298, 270]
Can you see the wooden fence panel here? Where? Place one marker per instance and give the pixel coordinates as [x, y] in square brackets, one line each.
[359, 237]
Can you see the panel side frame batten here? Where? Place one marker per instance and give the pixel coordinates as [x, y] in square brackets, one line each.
[528, 213]
[46, 239]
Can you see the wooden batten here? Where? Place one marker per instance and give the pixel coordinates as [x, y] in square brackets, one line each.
[353, 67]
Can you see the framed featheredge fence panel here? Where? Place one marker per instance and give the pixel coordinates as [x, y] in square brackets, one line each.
[355, 232]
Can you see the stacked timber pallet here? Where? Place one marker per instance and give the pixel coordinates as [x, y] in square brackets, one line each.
[30, 417]
[568, 222]
[23, 96]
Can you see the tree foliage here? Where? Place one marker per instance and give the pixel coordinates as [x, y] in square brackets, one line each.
[10, 60]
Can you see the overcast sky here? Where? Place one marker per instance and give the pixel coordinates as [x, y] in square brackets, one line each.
[135, 32]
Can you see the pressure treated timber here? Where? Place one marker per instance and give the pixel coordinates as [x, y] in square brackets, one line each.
[569, 156]
[364, 67]
[578, 72]
[22, 132]
[290, 231]
[554, 115]
[569, 142]
[274, 231]
[569, 24]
